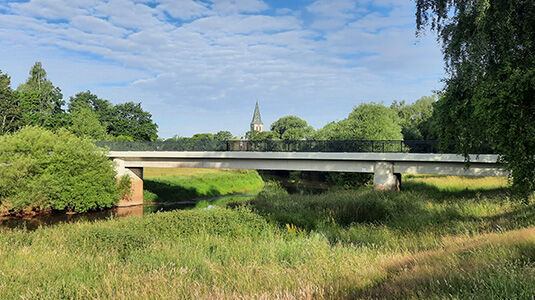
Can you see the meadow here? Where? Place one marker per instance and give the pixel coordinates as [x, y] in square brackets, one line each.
[441, 237]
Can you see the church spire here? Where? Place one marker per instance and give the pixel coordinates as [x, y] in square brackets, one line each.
[256, 123]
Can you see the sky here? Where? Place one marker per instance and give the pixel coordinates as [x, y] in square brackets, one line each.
[200, 65]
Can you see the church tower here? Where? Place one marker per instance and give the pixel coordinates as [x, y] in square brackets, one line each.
[256, 123]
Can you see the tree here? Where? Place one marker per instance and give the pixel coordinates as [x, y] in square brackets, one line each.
[416, 123]
[40, 101]
[42, 169]
[129, 119]
[102, 108]
[328, 132]
[89, 100]
[82, 100]
[297, 134]
[174, 138]
[488, 97]
[85, 123]
[203, 137]
[265, 135]
[10, 117]
[223, 136]
[291, 128]
[372, 121]
[251, 134]
[368, 121]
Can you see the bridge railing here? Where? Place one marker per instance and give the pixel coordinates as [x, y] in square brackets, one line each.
[406, 146]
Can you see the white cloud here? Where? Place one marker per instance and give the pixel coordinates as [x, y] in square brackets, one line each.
[283, 11]
[126, 13]
[239, 6]
[95, 25]
[185, 9]
[242, 24]
[330, 8]
[331, 14]
[52, 9]
[223, 57]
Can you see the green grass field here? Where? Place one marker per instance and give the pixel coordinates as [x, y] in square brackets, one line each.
[442, 237]
[176, 184]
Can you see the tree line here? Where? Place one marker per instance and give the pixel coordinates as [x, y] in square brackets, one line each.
[37, 102]
[367, 121]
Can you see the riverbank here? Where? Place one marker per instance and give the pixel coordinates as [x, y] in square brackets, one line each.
[180, 184]
[204, 187]
[433, 240]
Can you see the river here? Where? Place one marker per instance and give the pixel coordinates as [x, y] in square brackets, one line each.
[52, 218]
[33, 222]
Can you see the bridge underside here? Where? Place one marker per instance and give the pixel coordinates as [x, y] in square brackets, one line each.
[386, 167]
[476, 169]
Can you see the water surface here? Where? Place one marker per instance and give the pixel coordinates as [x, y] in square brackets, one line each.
[34, 222]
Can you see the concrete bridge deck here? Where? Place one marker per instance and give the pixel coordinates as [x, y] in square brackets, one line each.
[386, 167]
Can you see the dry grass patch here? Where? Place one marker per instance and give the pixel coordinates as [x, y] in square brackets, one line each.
[459, 183]
[464, 267]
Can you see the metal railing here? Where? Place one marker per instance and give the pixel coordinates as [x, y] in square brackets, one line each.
[402, 146]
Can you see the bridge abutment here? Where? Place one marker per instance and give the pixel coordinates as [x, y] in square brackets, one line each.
[384, 178]
[136, 180]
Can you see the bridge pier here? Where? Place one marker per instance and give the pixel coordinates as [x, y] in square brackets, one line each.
[384, 178]
[136, 180]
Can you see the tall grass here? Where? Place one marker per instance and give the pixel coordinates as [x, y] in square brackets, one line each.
[181, 254]
[425, 242]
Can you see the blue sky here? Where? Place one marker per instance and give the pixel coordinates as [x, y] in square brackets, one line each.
[200, 65]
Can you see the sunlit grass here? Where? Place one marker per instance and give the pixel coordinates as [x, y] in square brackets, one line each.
[458, 183]
[155, 172]
[436, 239]
[175, 184]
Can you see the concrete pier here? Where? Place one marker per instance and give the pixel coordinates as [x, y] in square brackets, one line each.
[136, 180]
[384, 178]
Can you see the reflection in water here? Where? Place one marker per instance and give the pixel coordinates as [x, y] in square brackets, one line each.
[301, 186]
[32, 223]
[129, 211]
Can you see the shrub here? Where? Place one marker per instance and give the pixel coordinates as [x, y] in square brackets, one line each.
[41, 169]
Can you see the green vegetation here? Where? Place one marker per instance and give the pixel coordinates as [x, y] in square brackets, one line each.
[37, 102]
[174, 185]
[436, 239]
[489, 51]
[417, 122]
[291, 128]
[285, 128]
[9, 111]
[221, 135]
[368, 121]
[41, 170]
[85, 123]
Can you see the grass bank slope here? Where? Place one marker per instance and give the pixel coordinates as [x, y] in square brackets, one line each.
[425, 242]
[180, 254]
[172, 185]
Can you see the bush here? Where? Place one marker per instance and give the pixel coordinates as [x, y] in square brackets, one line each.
[40, 169]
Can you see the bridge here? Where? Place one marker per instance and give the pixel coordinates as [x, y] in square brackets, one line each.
[387, 160]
